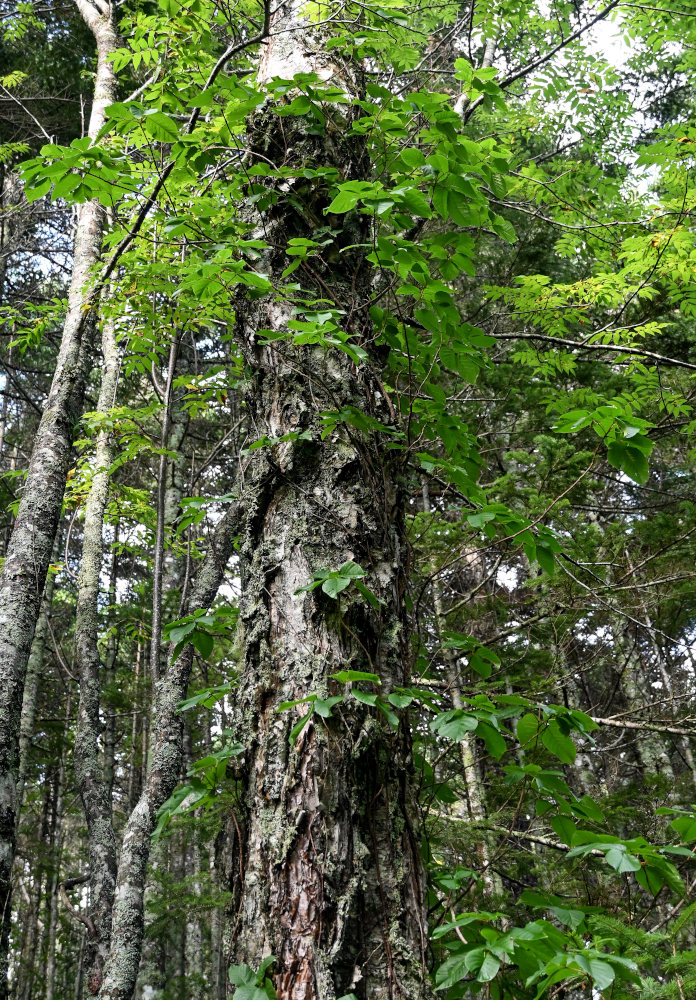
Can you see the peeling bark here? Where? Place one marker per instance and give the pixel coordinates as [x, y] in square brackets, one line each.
[329, 871]
[29, 549]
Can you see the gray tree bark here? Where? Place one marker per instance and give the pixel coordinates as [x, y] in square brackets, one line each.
[168, 568]
[29, 550]
[89, 767]
[31, 692]
[57, 855]
[329, 877]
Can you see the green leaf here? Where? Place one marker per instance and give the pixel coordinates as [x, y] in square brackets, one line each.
[489, 968]
[179, 632]
[365, 697]
[368, 595]
[621, 861]
[564, 827]
[651, 879]
[323, 706]
[630, 460]
[204, 642]
[495, 744]
[391, 717]
[268, 961]
[416, 204]
[120, 112]
[504, 229]
[241, 975]
[347, 676]
[412, 157]
[454, 725]
[557, 743]
[285, 705]
[452, 971]
[400, 700]
[160, 127]
[299, 726]
[351, 570]
[250, 992]
[527, 729]
[334, 585]
[601, 972]
[65, 185]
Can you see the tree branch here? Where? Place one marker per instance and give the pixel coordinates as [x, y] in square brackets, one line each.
[71, 883]
[522, 71]
[581, 346]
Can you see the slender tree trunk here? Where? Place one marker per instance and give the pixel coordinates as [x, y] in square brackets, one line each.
[89, 766]
[330, 878]
[158, 568]
[31, 692]
[165, 758]
[109, 681]
[55, 874]
[29, 549]
[79, 975]
[31, 949]
[475, 804]
[167, 569]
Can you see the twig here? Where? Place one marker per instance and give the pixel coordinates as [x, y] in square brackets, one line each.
[598, 347]
[71, 883]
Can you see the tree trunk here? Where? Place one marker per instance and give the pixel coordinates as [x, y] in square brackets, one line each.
[165, 758]
[89, 768]
[332, 881]
[109, 681]
[57, 851]
[31, 692]
[474, 807]
[33, 929]
[29, 549]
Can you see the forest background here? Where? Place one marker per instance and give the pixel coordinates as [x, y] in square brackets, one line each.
[346, 442]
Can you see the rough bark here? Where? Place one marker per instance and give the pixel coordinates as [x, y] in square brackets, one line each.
[29, 550]
[89, 770]
[330, 878]
[169, 564]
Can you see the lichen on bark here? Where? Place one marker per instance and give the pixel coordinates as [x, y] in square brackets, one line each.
[333, 883]
[29, 550]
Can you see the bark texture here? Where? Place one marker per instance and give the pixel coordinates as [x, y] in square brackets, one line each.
[31, 692]
[332, 882]
[29, 550]
[89, 769]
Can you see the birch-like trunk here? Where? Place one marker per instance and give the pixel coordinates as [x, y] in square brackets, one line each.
[89, 766]
[329, 876]
[29, 549]
[27, 721]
